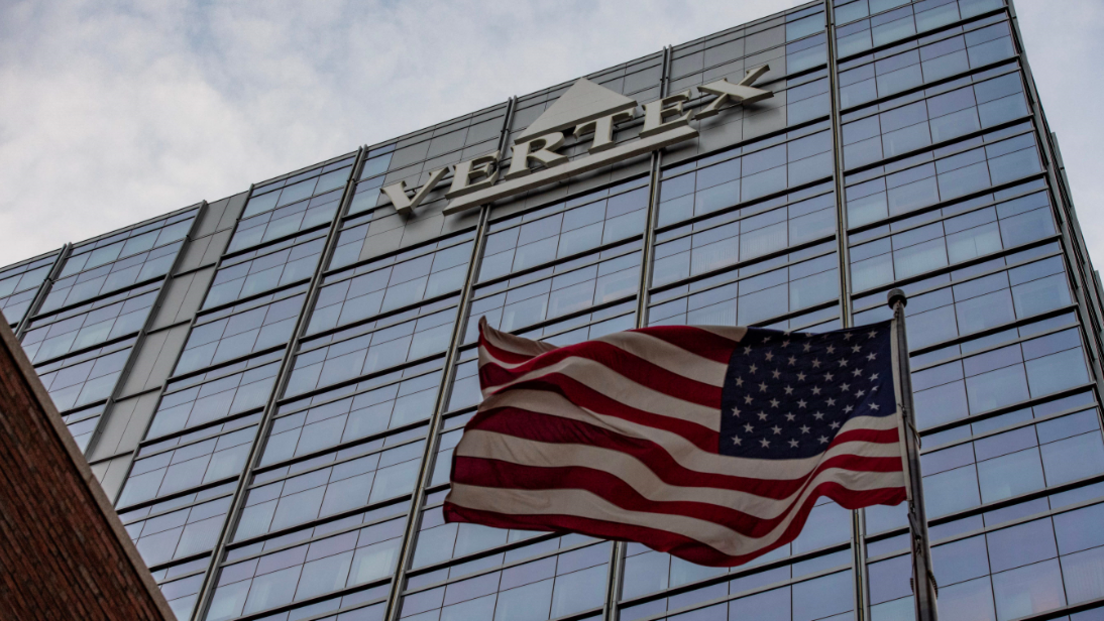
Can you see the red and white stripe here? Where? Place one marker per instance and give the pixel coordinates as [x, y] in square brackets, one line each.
[618, 438]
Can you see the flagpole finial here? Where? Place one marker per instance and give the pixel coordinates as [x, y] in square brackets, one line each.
[895, 296]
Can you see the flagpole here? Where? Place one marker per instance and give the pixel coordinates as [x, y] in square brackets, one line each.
[923, 579]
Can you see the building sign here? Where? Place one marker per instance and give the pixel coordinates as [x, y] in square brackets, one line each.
[587, 109]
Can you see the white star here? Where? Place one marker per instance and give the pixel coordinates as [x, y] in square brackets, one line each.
[847, 336]
[753, 368]
[871, 356]
[747, 350]
[777, 430]
[804, 429]
[765, 442]
[873, 376]
[860, 393]
[739, 381]
[816, 390]
[737, 441]
[775, 374]
[769, 356]
[856, 348]
[790, 417]
[831, 349]
[801, 377]
[785, 343]
[792, 360]
[762, 416]
[774, 403]
[845, 387]
[875, 387]
[874, 406]
[843, 362]
[834, 425]
[747, 399]
[793, 443]
[806, 347]
[818, 415]
[736, 412]
[816, 363]
[873, 333]
[789, 390]
[801, 403]
[767, 340]
[847, 409]
[748, 427]
[857, 373]
[831, 401]
[828, 377]
[762, 387]
[823, 439]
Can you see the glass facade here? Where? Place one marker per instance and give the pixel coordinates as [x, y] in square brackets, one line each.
[270, 386]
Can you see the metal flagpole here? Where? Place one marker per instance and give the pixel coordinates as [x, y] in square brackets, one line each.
[924, 588]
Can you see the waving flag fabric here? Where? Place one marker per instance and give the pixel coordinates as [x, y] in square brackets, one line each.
[711, 443]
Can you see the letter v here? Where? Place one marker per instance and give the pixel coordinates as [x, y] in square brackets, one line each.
[405, 204]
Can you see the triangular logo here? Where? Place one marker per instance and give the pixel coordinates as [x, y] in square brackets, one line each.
[584, 101]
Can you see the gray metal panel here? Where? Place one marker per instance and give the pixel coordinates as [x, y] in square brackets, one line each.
[233, 211]
[126, 424]
[156, 359]
[183, 297]
[209, 220]
[112, 474]
[204, 251]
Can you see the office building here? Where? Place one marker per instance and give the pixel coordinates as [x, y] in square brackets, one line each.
[269, 385]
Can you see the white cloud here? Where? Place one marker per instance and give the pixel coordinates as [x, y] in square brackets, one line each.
[115, 112]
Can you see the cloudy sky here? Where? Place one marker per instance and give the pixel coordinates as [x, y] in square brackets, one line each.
[112, 112]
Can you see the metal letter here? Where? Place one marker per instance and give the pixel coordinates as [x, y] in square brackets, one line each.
[540, 149]
[405, 204]
[736, 93]
[656, 111]
[603, 129]
[577, 166]
[465, 172]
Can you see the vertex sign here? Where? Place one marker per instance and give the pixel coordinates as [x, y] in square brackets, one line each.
[586, 108]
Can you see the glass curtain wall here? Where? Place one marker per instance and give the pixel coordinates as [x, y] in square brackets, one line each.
[296, 462]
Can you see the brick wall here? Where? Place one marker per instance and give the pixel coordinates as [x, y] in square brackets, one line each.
[63, 551]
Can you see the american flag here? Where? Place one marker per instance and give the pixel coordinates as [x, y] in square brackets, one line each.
[711, 443]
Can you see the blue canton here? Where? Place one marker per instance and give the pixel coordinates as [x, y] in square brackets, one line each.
[787, 394]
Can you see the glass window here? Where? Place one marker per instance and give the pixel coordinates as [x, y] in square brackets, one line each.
[735, 236]
[762, 295]
[259, 226]
[85, 378]
[119, 260]
[373, 346]
[912, 65]
[216, 394]
[565, 229]
[725, 180]
[557, 291]
[19, 284]
[951, 177]
[361, 556]
[549, 588]
[360, 476]
[90, 324]
[180, 528]
[391, 283]
[328, 419]
[241, 330]
[982, 303]
[157, 474]
[269, 267]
